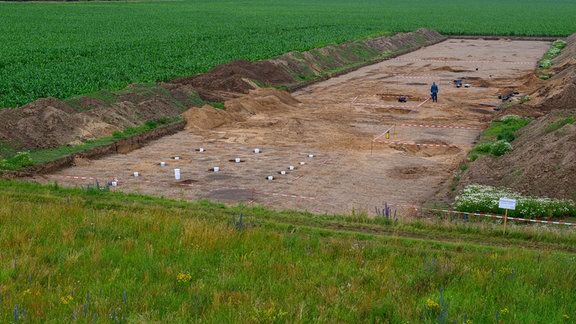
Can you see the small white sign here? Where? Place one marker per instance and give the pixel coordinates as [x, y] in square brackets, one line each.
[507, 203]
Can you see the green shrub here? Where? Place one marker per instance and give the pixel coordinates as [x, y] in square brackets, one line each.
[19, 161]
[524, 99]
[545, 64]
[151, 124]
[163, 120]
[545, 76]
[553, 51]
[559, 44]
[506, 135]
[500, 148]
[559, 124]
[472, 157]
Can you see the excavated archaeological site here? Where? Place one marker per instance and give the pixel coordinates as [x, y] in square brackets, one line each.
[344, 145]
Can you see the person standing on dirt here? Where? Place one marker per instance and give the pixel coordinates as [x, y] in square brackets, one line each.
[434, 92]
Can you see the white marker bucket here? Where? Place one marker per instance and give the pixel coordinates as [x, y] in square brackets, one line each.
[201, 149]
[162, 163]
[310, 155]
[216, 169]
[176, 158]
[256, 151]
[302, 163]
[291, 167]
[177, 174]
[270, 178]
[135, 174]
[114, 183]
[237, 160]
[282, 172]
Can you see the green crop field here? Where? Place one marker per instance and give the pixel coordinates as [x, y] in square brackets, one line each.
[67, 49]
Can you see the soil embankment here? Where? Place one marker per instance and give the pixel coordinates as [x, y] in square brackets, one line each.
[543, 159]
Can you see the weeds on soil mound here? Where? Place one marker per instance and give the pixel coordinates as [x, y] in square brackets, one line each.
[165, 260]
[496, 138]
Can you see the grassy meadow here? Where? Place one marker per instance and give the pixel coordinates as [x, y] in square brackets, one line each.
[65, 49]
[91, 256]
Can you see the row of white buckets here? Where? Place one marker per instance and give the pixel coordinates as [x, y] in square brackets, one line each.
[217, 169]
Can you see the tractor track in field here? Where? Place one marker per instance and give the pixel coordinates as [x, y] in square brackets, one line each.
[481, 240]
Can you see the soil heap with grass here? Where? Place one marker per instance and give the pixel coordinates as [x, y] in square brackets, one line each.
[543, 159]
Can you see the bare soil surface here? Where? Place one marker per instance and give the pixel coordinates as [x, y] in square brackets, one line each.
[333, 133]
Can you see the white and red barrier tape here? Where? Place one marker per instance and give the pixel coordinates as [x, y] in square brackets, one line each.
[419, 144]
[500, 217]
[385, 106]
[88, 178]
[439, 126]
[419, 76]
[461, 61]
[393, 97]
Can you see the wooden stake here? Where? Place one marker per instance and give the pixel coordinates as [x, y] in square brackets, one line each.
[505, 218]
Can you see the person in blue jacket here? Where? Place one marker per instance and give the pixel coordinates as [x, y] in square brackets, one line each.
[434, 92]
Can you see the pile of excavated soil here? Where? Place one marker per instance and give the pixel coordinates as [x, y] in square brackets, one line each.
[50, 122]
[217, 84]
[543, 160]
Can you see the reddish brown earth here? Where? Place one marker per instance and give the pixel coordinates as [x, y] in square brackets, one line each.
[327, 131]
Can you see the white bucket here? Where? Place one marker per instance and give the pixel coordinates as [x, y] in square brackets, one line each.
[237, 160]
[176, 158]
[216, 169]
[114, 183]
[270, 178]
[256, 151]
[282, 172]
[135, 174]
[201, 149]
[162, 163]
[291, 167]
[310, 155]
[302, 163]
[177, 174]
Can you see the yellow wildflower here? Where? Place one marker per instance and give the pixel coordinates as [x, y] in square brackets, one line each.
[66, 299]
[183, 277]
[432, 305]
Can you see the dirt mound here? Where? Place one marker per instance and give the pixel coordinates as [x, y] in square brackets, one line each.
[257, 101]
[50, 122]
[206, 117]
[322, 62]
[542, 163]
[231, 78]
[543, 159]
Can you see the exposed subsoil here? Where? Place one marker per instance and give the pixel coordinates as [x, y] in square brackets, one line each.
[334, 135]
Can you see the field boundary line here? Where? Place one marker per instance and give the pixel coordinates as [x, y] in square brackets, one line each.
[499, 217]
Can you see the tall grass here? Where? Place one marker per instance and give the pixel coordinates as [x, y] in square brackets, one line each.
[102, 256]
